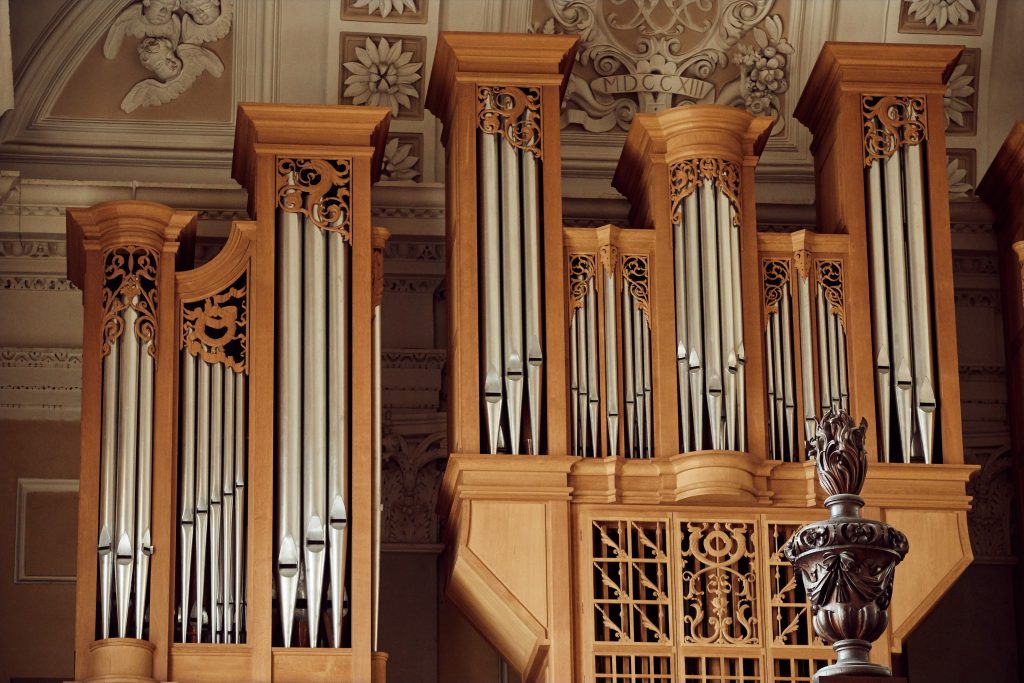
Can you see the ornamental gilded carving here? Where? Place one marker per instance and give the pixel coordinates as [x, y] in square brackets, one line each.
[130, 276]
[891, 122]
[215, 329]
[513, 113]
[319, 189]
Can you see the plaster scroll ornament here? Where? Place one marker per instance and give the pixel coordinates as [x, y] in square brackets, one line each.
[942, 12]
[175, 68]
[172, 33]
[650, 55]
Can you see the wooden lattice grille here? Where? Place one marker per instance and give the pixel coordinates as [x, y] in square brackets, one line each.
[695, 598]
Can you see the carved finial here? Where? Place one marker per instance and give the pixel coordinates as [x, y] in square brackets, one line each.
[838, 449]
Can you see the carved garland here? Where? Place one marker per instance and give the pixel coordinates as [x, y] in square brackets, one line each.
[689, 174]
[319, 189]
[215, 329]
[581, 273]
[774, 281]
[129, 281]
[829, 273]
[634, 276]
[512, 112]
[890, 122]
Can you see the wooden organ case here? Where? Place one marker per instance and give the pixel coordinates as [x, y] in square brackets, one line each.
[229, 528]
[624, 522]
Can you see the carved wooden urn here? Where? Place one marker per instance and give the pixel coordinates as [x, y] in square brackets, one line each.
[846, 562]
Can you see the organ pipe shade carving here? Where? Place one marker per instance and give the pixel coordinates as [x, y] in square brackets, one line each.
[319, 190]
[513, 113]
[215, 328]
[131, 274]
[895, 131]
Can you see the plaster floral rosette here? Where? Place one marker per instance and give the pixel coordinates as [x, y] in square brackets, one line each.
[383, 76]
[942, 12]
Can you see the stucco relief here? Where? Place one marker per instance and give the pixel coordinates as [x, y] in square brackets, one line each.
[412, 474]
[171, 34]
[650, 55]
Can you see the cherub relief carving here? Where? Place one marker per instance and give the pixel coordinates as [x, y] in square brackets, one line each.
[171, 33]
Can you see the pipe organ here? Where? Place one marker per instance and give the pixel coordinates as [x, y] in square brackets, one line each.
[684, 360]
[230, 508]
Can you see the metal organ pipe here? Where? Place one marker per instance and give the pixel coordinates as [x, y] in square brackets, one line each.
[531, 266]
[593, 401]
[216, 489]
[611, 364]
[682, 336]
[712, 315]
[737, 312]
[883, 367]
[314, 422]
[337, 424]
[490, 273]
[628, 373]
[188, 483]
[108, 483]
[127, 434]
[144, 498]
[920, 304]
[226, 613]
[288, 418]
[695, 330]
[730, 358]
[241, 511]
[202, 491]
[512, 289]
[803, 295]
[378, 459]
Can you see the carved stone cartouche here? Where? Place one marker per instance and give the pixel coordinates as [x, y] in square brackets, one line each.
[846, 562]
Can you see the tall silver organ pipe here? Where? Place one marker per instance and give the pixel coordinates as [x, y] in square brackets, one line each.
[900, 270]
[337, 425]
[511, 345]
[378, 461]
[709, 306]
[108, 484]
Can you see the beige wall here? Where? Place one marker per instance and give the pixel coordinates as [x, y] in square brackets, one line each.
[36, 619]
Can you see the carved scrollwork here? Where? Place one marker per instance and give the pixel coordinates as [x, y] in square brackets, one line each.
[890, 122]
[319, 189]
[634, 276]
[719, 583]
[513, 113]
[774, 281]
[130, 277]
[609, 257]
[581, 274]
[829, 274]
[687, 175]
[215, 329]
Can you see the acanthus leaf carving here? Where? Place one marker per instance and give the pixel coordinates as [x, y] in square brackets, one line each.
[319, 189]
[829, 274]
[581, 275]
[687, 175]
[513, 113]
[890, 122]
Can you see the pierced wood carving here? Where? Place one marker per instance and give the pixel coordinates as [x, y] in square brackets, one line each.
[581, 273]
[802, 262]
[513, 113]
[319, 189]
[829, 273]
[689, 174]
[215, 329]
[890, 122]
[774, 281]
[634, 276]
[719, 583]
[130, 277]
